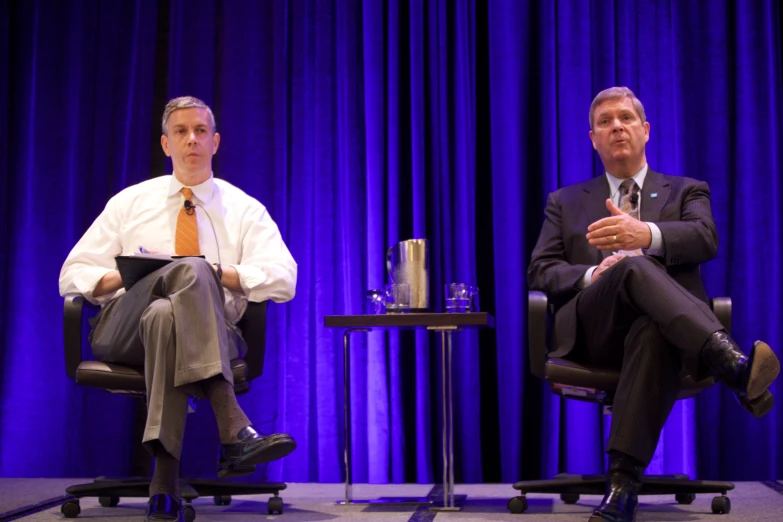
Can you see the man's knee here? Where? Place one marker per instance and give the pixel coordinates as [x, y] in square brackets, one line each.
[633, 266]
[190, 271]
[198, 266]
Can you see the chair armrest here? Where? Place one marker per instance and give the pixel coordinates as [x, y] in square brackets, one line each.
[76, 312]
[536, 330]
[253, 327]
[721, 307]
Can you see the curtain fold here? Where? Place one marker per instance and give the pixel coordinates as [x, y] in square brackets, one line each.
[358, 124]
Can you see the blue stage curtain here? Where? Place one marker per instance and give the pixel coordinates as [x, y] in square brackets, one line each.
[358, 124]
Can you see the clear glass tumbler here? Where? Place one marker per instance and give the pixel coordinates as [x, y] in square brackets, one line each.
[398, 298]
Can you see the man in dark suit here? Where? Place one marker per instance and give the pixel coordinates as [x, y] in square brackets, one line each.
[619, 257]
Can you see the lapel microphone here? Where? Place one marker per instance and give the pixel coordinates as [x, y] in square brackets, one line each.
[189, 207]
[634, 200]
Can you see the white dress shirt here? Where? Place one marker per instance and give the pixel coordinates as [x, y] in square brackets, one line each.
[656, 244]
[145, 215]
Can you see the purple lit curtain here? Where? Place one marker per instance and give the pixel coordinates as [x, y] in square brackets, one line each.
[359, 124]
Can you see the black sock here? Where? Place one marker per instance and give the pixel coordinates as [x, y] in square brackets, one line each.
[228, 414]
[165, 478]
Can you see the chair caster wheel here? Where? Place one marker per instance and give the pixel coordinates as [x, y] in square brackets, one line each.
[569, 498]
[685, 498]
[71, 509]
[721, 504]
[275, 505]
[517, 504]
[189, 513]
[109, 501]
[222, 500]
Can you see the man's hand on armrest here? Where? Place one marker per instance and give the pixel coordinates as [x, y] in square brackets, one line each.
[230, 278]
[108, 283]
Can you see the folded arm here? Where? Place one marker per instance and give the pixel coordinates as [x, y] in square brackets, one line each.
[549, 270]
[90, 269]
[266, 270]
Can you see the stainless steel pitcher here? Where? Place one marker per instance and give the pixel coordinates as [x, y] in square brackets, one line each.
[409, 262]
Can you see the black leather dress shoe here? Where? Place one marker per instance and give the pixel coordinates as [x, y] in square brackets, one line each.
[747, 376]
[164, 507]
[252, 448]
[622, 490]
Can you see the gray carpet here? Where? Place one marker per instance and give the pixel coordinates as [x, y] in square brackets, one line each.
[751, 501]
[17, 493]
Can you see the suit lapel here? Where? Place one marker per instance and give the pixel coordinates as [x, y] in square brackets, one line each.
[594, 202]
[654, 195]
[594, 205]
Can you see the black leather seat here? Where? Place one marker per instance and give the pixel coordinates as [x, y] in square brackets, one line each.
[591, 383]
[127, 380]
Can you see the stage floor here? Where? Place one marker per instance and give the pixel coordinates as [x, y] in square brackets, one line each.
[751, 501]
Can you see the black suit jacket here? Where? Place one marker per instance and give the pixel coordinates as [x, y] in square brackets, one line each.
[679, 206]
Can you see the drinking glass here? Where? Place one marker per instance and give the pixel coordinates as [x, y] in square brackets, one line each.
[398, 298]
[457, 298]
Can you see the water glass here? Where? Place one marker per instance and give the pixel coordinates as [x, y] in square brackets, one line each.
[457, 298]
[376, 302]
[398, 298]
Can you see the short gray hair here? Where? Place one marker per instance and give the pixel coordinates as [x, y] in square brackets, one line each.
[612, 93]
[185, 102]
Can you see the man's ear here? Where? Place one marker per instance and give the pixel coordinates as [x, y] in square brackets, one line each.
[646, 131]
[164, 144]
[592, 139]
[215, 142]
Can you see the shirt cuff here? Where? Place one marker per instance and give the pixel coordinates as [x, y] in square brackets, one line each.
[87, 279]
[588, 277]
[656, 244]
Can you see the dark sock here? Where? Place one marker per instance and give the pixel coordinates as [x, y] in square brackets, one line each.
[165, 478]
[228, 414]
[631, 466]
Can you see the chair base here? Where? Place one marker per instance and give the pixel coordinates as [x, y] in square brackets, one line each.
[109, 492]
[570, 487]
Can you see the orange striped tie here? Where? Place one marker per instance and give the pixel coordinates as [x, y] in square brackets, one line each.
[186, 236]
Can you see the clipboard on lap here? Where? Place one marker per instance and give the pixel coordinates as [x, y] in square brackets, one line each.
[134, 268]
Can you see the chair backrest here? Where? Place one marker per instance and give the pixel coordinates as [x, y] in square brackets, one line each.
[253, 326]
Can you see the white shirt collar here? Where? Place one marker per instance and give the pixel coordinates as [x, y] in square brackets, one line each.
[614, 183]
[202, 191]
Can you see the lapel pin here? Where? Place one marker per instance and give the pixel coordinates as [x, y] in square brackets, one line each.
[654, 195]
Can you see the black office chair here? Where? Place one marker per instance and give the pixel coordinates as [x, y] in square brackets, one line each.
[594, 384]
[127, 380]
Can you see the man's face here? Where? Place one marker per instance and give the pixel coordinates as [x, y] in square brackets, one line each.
[190, 142]
[618, 133]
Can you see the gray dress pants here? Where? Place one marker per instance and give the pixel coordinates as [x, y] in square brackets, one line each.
[171, 323]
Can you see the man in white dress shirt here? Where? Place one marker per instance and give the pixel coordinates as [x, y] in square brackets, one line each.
[179, 321]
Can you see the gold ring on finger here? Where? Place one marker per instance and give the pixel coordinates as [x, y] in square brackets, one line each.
[614, 238]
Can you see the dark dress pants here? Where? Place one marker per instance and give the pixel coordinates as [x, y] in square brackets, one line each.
[640, 320]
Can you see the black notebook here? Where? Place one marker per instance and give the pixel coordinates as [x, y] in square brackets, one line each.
[134, 268]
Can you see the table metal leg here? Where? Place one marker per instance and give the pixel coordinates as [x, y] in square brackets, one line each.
[347, 414]
[347, 455]
[449, 502]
